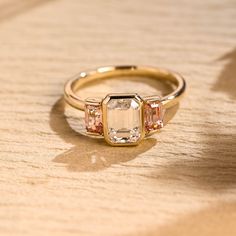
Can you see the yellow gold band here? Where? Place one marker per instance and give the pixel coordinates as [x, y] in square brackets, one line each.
[73, 85]
[124, 119]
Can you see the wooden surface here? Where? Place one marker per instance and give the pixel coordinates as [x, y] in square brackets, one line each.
[55, 181]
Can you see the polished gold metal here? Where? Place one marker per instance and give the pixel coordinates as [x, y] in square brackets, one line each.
[73, 86]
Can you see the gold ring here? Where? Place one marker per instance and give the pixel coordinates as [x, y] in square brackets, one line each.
[124, 119]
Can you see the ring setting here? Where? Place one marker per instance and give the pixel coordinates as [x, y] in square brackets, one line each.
[123, 119]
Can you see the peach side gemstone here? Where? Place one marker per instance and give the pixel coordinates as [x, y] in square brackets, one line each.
[93, 119]
[153, 115]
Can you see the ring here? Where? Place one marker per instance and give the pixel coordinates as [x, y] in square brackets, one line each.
[124, 119]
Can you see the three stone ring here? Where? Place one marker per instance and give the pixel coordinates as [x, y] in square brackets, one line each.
[124, 119]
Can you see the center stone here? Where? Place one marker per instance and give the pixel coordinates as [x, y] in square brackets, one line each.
[124, 119]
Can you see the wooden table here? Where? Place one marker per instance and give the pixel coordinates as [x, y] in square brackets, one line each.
[55, 181]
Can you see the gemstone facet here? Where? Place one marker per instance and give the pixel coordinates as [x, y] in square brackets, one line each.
[153, 114]
[93, 119]
[123, 119]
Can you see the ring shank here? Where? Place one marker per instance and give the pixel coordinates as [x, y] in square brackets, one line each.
[83, 78]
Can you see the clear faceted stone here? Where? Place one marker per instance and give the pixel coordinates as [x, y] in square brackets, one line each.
[124, 120]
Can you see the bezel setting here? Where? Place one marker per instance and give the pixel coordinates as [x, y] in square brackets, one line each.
[130, 107]
[93, 117]
[153, 114]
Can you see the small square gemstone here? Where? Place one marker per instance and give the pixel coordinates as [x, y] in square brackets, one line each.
[93, 119]
[153, 115]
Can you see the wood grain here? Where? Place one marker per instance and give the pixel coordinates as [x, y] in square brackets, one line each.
[53, 180]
